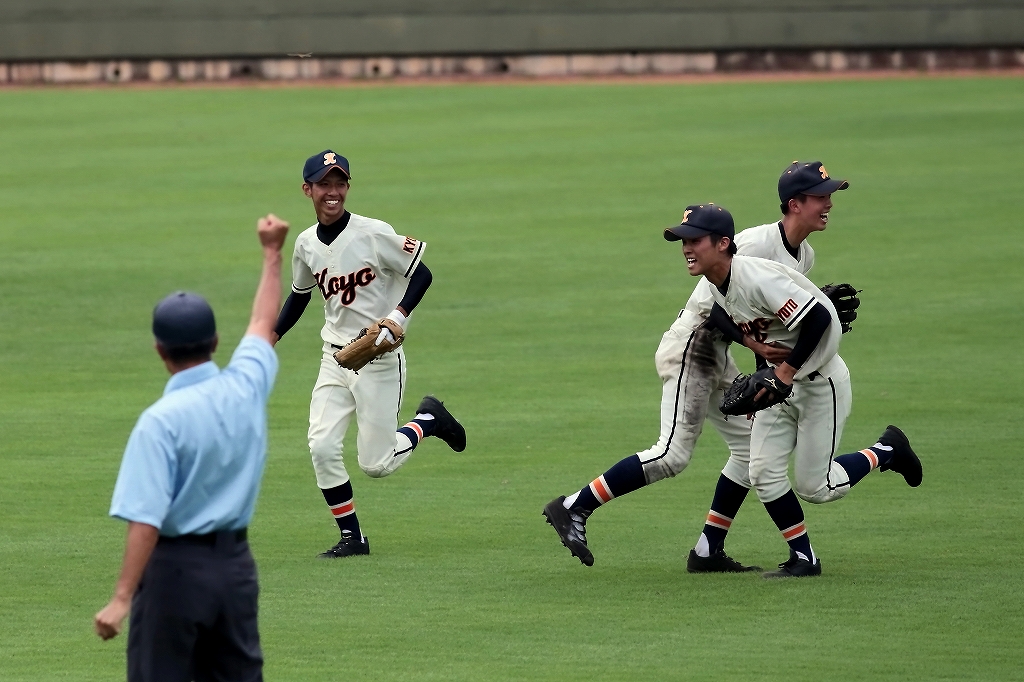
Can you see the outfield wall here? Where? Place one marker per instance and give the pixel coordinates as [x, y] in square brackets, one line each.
[83, 30]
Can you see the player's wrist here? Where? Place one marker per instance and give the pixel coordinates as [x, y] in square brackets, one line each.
[785, 372]
[398, 318]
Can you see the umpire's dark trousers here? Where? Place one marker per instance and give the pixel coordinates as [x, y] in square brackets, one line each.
[194, 614]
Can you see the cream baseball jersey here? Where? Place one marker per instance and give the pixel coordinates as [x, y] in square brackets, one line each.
[763, 241]
[768, 300]
[362, 275]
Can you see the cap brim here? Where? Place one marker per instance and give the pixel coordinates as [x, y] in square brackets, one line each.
[674, 234]
[827, 187]
[319, 175]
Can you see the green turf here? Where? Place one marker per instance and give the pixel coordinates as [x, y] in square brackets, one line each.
[543, 207]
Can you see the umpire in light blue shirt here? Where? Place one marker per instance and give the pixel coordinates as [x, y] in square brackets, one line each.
[187, 488]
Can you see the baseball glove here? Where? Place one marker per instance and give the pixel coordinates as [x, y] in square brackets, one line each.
[741, 397]
[364, 349]
[844, 298]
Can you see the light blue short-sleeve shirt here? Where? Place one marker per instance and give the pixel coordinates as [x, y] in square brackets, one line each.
[195, 458]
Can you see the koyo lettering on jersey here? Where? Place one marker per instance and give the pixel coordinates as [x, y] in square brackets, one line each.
[344, 285]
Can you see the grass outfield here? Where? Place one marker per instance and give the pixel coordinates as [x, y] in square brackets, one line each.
[543, 207]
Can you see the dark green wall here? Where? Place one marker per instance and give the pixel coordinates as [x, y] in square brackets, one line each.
[89, 29]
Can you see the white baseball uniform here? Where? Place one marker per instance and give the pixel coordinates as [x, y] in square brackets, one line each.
[772, 300]
[695, 367]
[362, 276]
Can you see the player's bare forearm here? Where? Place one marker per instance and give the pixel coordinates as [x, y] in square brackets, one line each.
[138, 548]
[771, 352]
[786, 372]
[272, 232]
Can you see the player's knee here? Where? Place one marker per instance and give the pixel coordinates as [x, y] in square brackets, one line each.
[819, 494]
[375, 470]
[322, 456]
[768, 483]
[738, 471]
[757, 473]
[676, 461]
[668, 465]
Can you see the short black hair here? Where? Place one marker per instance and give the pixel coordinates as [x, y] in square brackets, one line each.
[715, 238]
[190, 351]
[801, 198]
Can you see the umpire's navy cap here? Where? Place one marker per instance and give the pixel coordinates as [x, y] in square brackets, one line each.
[319, 165]
[807, 178]
[183, 319]
[701, 219]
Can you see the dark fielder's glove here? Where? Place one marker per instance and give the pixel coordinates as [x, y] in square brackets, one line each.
[365, 348]
[741, 397]
[844, 298]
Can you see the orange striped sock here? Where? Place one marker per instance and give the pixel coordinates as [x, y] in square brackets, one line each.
[601, 490]
[343, 507]
[872, 457]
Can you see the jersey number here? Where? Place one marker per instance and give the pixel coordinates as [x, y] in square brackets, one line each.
[756, 328]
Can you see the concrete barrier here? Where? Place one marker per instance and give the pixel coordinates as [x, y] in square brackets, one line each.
[146, 30]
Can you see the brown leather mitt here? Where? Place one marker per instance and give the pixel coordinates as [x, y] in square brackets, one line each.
[364, 349]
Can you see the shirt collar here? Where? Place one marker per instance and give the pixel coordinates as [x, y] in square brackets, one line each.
[192, 375]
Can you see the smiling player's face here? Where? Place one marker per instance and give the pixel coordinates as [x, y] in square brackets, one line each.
[328, 196]
[813, 212]
[702, 254]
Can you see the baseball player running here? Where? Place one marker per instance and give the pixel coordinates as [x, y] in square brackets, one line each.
[370, 279]
[695, 366]
[789, 311]
[805, 193]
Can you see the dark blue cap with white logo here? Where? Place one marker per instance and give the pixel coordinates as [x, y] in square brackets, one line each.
[319, 165]
[807, 178]
[701, 219]
[183, 319]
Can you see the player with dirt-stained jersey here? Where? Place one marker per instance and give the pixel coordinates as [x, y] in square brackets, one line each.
[695, 366]
[787, 309]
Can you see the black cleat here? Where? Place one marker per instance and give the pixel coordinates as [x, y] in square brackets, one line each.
[349, 545]
[571, 527]
[448, 427]
[719, 562]
[904, 460]
[795, 568]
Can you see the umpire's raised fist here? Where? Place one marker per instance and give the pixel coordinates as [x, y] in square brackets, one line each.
[272, 231]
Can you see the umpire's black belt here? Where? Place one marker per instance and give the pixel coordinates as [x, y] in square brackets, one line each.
[224, 536]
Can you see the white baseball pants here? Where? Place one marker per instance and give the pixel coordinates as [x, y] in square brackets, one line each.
[695, 368]
[810, 429]
[374, 396]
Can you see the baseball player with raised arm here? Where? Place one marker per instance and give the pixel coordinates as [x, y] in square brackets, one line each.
[370, 278]
[695, 366]
[789, 311]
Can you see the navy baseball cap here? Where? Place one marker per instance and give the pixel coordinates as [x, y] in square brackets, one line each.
[183, 319]
[702, 219]
[807, 178]
[319, 165]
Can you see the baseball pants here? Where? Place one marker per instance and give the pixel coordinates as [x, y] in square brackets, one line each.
[695, 368]
[194, 614]
[374, 395]
[810, 429]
